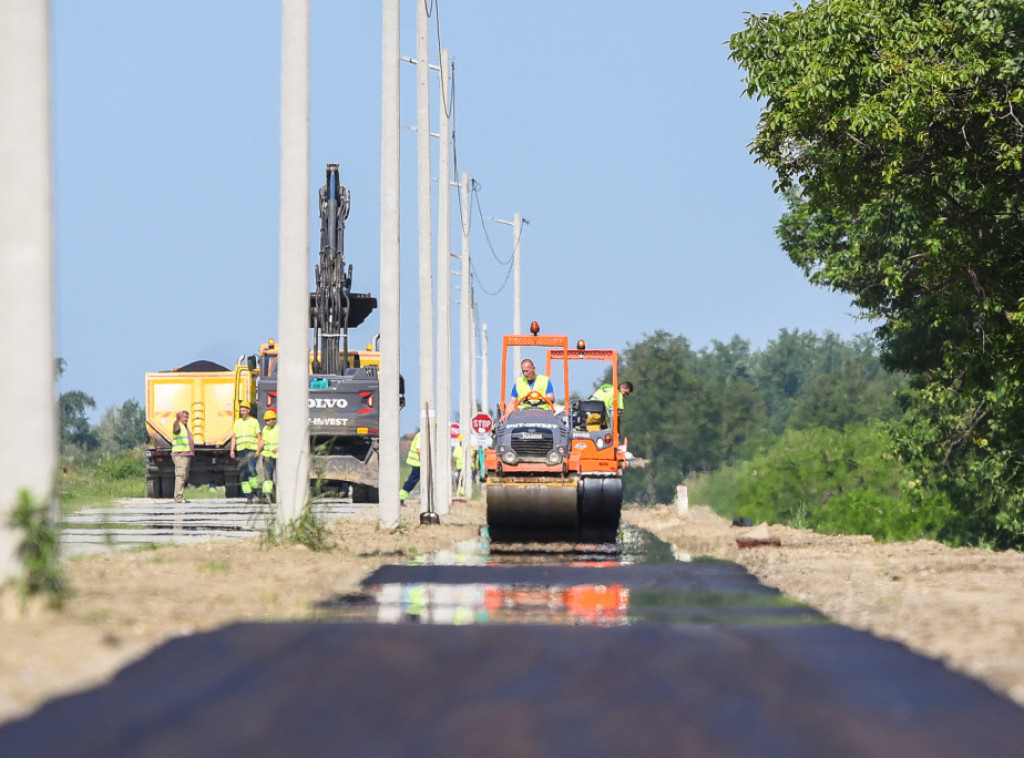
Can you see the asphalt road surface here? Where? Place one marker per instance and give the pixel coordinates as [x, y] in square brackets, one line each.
[571, 657]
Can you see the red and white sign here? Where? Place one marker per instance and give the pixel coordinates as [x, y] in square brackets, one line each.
[456, 431]
[481, 423]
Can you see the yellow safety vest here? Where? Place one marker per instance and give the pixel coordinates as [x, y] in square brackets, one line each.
[270, 437]
[604, 394]
[524, 388]
[413, 458]
[180, 443]
[246, 431]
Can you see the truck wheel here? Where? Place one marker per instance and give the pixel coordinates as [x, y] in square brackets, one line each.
[152, 487]
[232, 488]
[167, 486]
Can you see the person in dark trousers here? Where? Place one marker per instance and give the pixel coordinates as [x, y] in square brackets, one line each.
[267, 451]
[413, 459]
[245, 441]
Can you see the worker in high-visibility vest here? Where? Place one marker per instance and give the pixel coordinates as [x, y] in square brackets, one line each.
[531, 390]
[606, 395]
[458, 458]
[413, 459]
[267, 451]
[182, 451]
[245, 441]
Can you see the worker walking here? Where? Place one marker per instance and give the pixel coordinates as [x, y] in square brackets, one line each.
[267, 450]
[531, 390]
[182, 451]
[606, 395]
[413, 459]
[245, 441]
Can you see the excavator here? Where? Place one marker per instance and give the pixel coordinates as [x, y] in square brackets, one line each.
[554, 473]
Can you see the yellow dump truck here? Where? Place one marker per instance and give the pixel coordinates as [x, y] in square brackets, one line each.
[211, 394]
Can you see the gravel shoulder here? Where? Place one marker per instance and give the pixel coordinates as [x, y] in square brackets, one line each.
[961, 606]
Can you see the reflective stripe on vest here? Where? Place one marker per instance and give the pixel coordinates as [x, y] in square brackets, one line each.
[414, 452]
[270, 437]
[246, 431]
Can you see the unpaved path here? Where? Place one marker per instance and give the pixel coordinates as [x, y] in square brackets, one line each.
[962, 606]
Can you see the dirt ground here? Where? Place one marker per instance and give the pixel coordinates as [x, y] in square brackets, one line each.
[961, 606]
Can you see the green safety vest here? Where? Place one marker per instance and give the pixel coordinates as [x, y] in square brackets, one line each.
[413, 458]
[524, 388]
[270, 437]
[246, 431]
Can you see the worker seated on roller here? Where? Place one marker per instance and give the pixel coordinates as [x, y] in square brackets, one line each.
[535, 390]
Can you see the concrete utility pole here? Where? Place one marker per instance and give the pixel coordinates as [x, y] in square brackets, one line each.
[517, 278]
[484, 399]
[465, 343]
[390, 463]
[443, 477]
[426, 310]
[517, 290]
[26, 269]
[293, 296]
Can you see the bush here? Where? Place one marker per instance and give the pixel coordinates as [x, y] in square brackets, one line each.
[121, 466]
[830, 481]
[101, 479]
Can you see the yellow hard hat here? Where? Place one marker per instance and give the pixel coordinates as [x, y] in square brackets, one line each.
[271, 413]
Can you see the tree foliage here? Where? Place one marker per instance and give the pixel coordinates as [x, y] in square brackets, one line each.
[896, 130]
[699, 411]
[75, 430]
[122, 428]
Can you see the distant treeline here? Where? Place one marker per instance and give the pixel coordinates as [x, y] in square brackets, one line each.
[797, 432]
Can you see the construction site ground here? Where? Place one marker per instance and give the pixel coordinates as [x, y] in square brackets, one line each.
[961, 606]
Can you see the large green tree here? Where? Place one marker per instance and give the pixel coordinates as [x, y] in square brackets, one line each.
[896, 130]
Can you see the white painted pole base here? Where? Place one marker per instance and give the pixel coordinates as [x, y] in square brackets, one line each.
[682, 500]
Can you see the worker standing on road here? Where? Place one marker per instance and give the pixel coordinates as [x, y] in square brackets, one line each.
[267, 450]
[606, 395]
[413, 459]
[245, 441]
[530, 383]
[458, 459]
[182, 451]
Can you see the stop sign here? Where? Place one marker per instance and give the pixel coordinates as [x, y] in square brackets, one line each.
[456, 431]
[481, 423]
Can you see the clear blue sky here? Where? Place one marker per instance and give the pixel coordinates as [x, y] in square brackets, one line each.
[620, 133]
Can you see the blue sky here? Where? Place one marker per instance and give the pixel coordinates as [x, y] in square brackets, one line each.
[620, 134]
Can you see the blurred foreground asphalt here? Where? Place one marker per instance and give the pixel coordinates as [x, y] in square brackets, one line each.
[788, 685]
